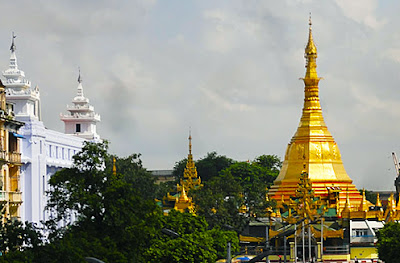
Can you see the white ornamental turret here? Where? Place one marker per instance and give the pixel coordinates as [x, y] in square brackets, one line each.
[81, 119]
[25, 100]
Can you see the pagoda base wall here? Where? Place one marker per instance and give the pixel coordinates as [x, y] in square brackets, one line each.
[287, 190]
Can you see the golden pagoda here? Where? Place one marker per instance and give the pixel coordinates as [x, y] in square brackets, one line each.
[179, 200]
[313, 146]
[190, 178]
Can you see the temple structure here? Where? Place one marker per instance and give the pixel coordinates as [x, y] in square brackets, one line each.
[81, 118]
[44, 151]
[319, 213]
[178, 199]
[313, 148]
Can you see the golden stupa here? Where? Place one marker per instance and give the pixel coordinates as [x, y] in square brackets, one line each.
[313, 148]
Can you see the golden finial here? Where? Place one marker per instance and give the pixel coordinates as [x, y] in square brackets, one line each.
[311, 55]
[378, 201]
[364, 205]
[190, 140]
[183, 196]
[114, 167]
[346, 208]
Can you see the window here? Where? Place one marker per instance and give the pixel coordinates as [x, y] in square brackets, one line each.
[78, 127]
[360, 232]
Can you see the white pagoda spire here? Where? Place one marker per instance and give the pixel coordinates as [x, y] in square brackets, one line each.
[81, 119]
[26, 100]
[13, 59]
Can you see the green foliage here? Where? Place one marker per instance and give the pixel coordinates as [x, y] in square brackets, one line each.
[389, 243]
[241, 185]
[117, 213]
[219, 201]
[195, 244]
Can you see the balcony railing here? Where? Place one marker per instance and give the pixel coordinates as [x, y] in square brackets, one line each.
[3, 196]
[15, 197]
[345, 249]
[3, 156]
[14, 157]
[362, 239]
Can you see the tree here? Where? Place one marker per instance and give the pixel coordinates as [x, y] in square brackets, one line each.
[238, 192]
[219, 201]
[389, 243]
[196, 242]
[116, 213]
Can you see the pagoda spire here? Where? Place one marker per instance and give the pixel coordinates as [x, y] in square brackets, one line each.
[80, 87]
[190, 141]
[13, 47]
[311, 55]
[13, 57]
[313, 145]
[79, 77]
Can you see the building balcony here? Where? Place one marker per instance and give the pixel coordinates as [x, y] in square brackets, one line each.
[14, 158]
[362, 239]
[3, 196]
[80, 107]
[15, 197]
[3, 157]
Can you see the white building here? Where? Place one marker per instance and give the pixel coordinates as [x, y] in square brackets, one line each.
[44, 151]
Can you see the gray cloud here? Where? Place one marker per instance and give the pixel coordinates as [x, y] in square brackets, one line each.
[230, 70]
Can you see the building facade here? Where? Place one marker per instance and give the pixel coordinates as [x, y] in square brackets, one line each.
[44, 151]
[10, 160]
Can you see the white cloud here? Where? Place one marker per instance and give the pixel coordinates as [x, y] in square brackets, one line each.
[361, 11]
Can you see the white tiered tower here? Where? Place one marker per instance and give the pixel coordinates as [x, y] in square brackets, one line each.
[81, 119]
[26, 101]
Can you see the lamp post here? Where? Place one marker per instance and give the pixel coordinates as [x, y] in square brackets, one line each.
[284, 249]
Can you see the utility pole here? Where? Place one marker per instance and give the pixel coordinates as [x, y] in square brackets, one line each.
[228, 252]
[284, 249]
[322, 236]
[295, 243]
[302, 236]
[309, 243]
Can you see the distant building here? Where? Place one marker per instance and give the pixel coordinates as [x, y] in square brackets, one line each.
[163, 176]
[44, 151]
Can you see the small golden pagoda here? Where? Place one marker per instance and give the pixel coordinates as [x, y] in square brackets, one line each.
[190, 178]
[179, 199]
[313, 145]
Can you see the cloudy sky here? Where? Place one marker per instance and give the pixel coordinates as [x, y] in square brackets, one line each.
[228, 69]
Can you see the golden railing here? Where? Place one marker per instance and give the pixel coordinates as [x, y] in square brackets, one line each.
[15, 197]
[14, 157]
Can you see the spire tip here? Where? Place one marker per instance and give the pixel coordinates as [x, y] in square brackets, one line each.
[13, 47]
[79, 77]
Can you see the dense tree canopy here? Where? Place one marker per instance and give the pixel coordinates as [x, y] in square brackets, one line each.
[116, 218]
[389, 243]
[237, 192]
